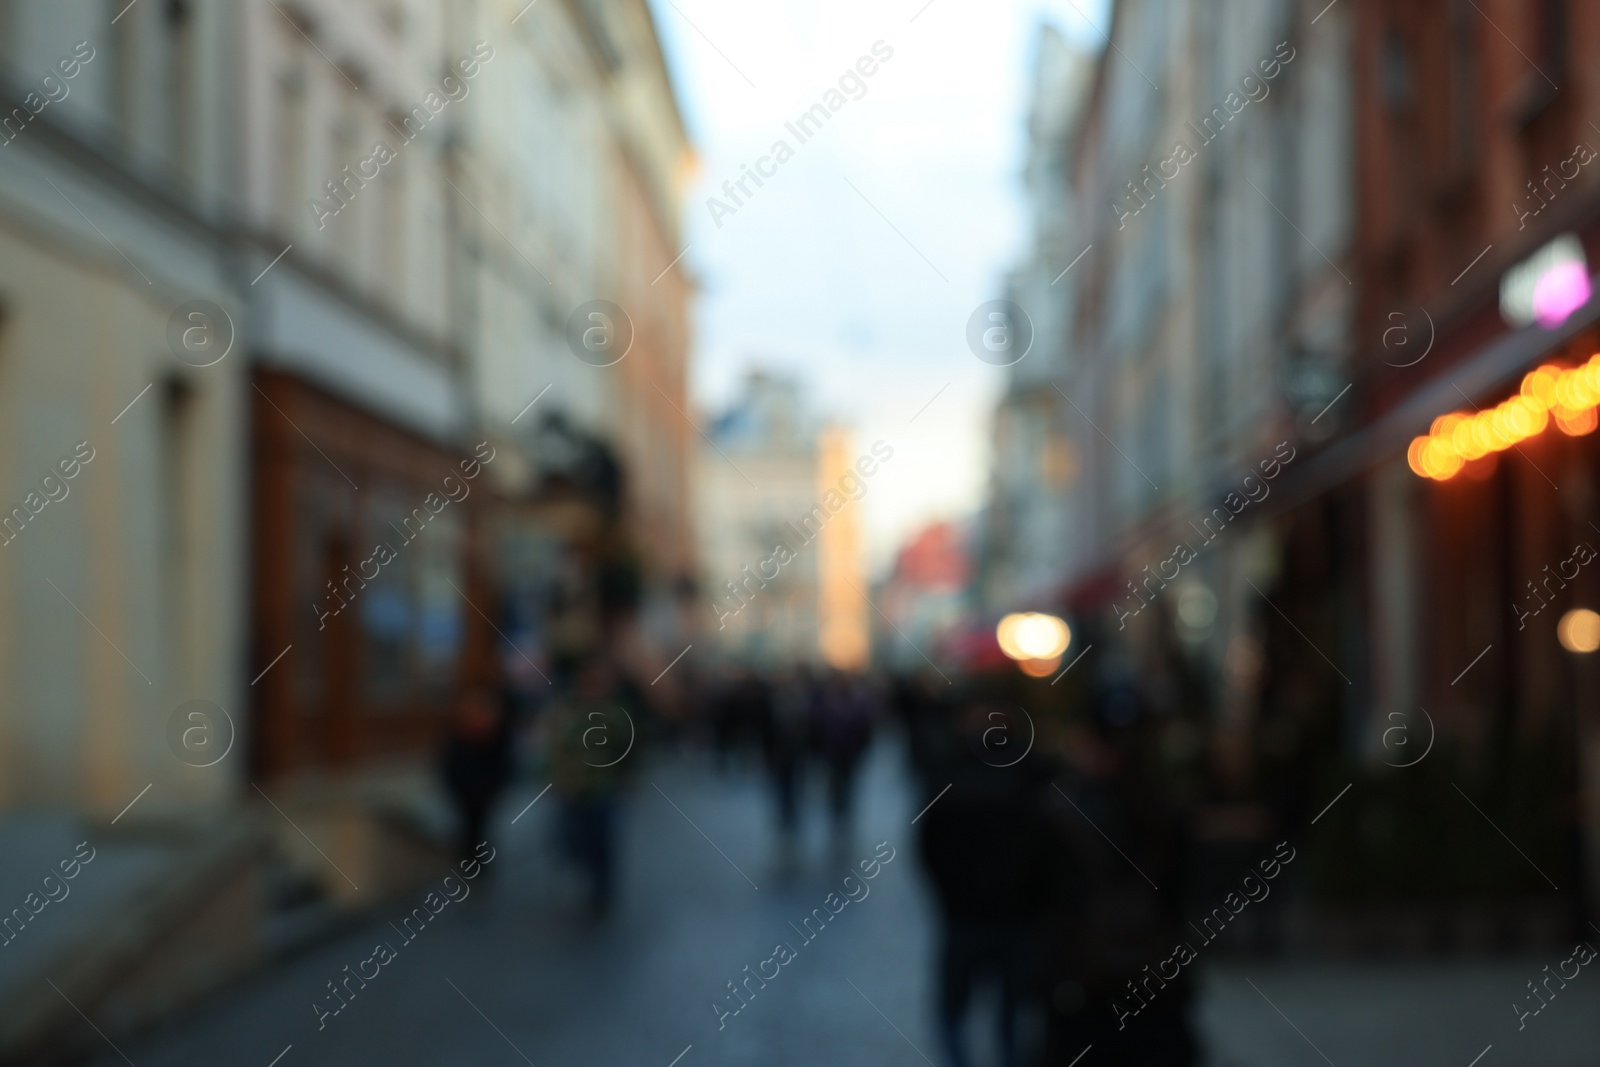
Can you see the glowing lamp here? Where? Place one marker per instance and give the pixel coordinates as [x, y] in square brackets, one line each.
[1032, 637]
[1579, 630]
[1548, 286]
[1039, 668]
[1560, 291]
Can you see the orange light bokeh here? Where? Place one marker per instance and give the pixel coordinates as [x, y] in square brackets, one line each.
[1039, 668]
[1548, 393]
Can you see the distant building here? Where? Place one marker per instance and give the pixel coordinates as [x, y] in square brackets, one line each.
[925, 595]
[782, 575]
[844, 632]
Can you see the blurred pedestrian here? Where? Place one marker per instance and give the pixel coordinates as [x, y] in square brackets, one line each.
[476, 760]
[593, 734]
[786, 729]
[987, 850]
[921, 702]
[1121, 837]
[845, 710]
[737, 710]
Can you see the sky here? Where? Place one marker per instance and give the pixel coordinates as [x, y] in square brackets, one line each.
[856, 266]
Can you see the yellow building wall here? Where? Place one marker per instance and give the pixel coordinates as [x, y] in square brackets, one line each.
[843, 630]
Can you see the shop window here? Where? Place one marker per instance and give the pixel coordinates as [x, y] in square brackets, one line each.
[440, 611]
[412, 624]
[321, 548]
[1397, 79]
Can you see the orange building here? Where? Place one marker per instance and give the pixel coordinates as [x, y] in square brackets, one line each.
[843, 622]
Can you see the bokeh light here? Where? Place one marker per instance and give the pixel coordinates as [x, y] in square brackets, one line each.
[1561, 290]
[1579, 630]
[1566, 396]
[1033, 636]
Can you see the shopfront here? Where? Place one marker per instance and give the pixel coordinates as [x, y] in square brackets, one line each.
[367, 600]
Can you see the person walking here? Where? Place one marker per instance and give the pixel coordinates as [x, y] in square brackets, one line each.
[476, 760]
[845, 713]
[785, 728]
[593, 732]
[986, 848]
[1118, 925]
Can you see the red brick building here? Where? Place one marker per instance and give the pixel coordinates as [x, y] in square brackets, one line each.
[1426, 579]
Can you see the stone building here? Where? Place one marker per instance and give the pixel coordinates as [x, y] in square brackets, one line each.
[279, 282]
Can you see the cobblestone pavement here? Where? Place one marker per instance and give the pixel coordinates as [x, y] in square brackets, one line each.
[514, 974]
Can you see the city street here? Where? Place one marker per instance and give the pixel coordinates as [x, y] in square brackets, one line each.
[513, 973]
[404, 402]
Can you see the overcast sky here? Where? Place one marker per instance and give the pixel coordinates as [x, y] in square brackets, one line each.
[806, 276]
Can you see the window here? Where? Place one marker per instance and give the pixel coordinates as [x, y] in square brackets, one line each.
[440, 622]
[1397, 79]
[179, 111]
[347, 229]
[412, 620]
[125, 109]
[1547, 24]
[1464, 119]
[177, 549]
[290, 143]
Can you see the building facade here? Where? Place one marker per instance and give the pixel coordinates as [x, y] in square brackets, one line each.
[783, 577]
[330, 251]
[1459, 561]
[1333, 326]
[1193, 213]
[123, 563]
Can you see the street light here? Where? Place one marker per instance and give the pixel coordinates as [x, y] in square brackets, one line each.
[1035, 640]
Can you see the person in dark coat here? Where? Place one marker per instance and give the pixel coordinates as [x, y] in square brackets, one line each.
[987, 850]
[845, 712]
[1124, 843]
[786, 725]
[476, 762]
[592, 737]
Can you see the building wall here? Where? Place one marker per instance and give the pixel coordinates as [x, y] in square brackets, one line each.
[230, 153]
[119, 599]
[1210, 317]
[539, 232]
[1456, 129]
[844, 626]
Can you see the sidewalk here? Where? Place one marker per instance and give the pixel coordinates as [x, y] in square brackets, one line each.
[1407, 1015]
